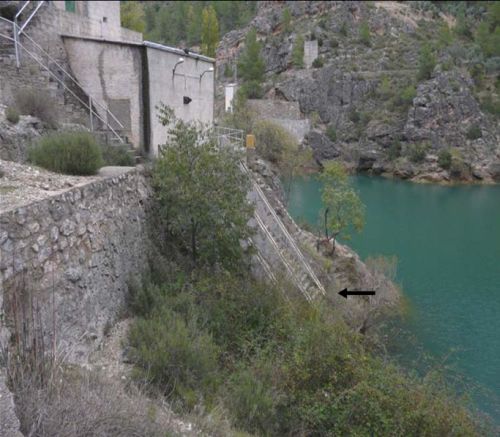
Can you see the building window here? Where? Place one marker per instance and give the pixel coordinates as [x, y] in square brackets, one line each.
[70, 6]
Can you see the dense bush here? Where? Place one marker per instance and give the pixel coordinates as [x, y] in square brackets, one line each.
[119, 155]
[37, 103]
[394, 151]
[12, 115]
[331, 133]
[474, 132]
[298, 52]
[174, 354]
[364, 34]
[417, 152]
[271, 139]
[285, 367]
[75, 153]
[354, 116]
[251, 66]
[426, 63]
[318, 62]
[444, 159]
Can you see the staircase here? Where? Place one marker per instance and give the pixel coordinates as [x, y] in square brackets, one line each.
[274, 232]
[52, 76]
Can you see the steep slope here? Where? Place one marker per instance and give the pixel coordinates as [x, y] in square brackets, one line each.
[394, 106]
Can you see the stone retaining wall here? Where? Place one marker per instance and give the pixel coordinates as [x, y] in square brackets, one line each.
[67, 259]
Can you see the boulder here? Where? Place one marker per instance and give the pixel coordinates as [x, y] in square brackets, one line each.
[323, 149]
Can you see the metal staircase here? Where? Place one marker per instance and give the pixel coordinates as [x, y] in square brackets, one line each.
[272, 229]
[11, 35]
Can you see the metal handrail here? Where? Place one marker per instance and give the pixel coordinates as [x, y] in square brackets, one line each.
[40, 4]
[66, 87]
[285, 232]
[73, 79]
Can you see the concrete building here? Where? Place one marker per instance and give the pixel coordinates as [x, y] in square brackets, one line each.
[123, 78]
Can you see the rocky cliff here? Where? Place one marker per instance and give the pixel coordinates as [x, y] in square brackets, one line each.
[383, 114]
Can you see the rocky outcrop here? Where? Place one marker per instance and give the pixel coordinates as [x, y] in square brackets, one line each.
[370, 92]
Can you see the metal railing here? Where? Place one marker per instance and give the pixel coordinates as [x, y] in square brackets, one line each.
[39, 59]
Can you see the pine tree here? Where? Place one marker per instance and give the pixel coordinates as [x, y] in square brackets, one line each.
[209, 31]
[251, 66]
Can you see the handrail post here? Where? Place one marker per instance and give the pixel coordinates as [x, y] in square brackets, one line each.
[14, 29]
[91, 118]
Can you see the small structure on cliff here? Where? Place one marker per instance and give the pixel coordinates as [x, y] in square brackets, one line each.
[100, 74]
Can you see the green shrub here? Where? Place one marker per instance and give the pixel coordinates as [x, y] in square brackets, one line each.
[175, 355]
[364, 34]
[354, 116]
[12, 115]
[343, 29]
[119, 155]
[75, 153]
[331, 133]
[491, 105]
[474, 132]
[298, 52]
[37, 103]
[417, 152]
[407, 95]
[251, 89]
[444, 159]
[271, 139]
[334, 43]
[394, 151]
[457, 166]
[286, 20]
[318, 62]
[426, 63]
[384, 88]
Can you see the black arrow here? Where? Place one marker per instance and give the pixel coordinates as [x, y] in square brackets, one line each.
[346, 293]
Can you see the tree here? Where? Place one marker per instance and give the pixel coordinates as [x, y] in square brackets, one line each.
[209, 31]
[193, 26]
[298, 52]
[426, 63]
[201, 195]
[292, 163]
[132, 16]
[364, 34]
[251, 66]
[286, 19]
[342, 206]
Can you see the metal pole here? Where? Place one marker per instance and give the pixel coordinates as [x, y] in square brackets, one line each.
[91, 118]
[14, 25]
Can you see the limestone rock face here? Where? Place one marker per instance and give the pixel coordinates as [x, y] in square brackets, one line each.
[323, 148]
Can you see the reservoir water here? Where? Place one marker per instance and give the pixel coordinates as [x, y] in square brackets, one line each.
[447, 241]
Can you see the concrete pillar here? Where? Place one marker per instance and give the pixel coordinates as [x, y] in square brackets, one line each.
[230, 93]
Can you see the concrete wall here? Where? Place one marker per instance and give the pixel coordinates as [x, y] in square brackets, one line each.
[71, 255]
[310, 52]
[170, 90]
[111, 72]
[92, 19]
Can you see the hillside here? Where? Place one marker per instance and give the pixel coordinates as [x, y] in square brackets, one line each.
[399, 89]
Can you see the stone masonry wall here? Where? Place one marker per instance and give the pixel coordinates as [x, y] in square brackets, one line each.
[67, 259]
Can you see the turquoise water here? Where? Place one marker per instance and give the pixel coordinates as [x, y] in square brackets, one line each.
[447, 241]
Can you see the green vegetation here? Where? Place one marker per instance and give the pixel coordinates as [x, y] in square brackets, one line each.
[364, 34]
[417, 152]
[331, 133]
[209, 31]
[38, 103]
[318, 62]
[457, 167]
[286, 20]
[277, 365]
[271, 140]
[488, 31]
[394, 151]
[74, 153]
[132, 15]
[426, 63]
[251, 66]
[342, 204]
[201, 193]
[221, 341]
[474, 132]
[12, 114]
[444, 158]
[119, 155]
[298, 52]
[177, 23]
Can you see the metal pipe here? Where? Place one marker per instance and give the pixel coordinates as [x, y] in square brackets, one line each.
[40, 4]
[90, 112]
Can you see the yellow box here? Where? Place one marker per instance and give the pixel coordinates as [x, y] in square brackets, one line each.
[250, 141]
